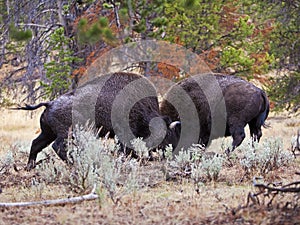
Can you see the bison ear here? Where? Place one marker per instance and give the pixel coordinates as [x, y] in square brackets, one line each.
[174, 124]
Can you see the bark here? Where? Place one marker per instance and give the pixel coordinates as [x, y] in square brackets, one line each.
[54, 202]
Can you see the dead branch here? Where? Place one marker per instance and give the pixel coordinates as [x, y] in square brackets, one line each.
[55, 202]
[285, 188]
[271, 190]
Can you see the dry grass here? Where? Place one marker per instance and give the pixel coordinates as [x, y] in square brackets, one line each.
[175, 202]
[18, 125]
[283, 126]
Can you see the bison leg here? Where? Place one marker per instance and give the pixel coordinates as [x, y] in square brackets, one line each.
[42, 141]
[59, 147]
[238, 135]
[127, 151]
[255, 131]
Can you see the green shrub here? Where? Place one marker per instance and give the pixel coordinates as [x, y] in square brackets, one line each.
[195, 163]
[140, 148]
[90, 158]
[208, 169]
[265, 157]
[94, 161]
[211, 167]
[14, 155]
[6, 162]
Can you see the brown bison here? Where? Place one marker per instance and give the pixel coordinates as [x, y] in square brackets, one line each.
[215, 105]
[122, 104]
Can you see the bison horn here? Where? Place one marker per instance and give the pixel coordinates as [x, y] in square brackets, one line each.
[174, 124]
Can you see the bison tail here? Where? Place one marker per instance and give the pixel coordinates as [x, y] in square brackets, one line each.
[31, 107]
[264, 115]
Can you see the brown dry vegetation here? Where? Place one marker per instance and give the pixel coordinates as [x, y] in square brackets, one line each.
[158, 201]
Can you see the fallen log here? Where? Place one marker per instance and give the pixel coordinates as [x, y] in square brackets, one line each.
[55, 202]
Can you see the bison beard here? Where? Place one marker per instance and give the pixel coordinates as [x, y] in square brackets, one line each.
[94, 102]
[244, 104]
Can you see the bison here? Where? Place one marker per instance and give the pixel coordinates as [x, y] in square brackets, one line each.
[215, 105]
[122, 104]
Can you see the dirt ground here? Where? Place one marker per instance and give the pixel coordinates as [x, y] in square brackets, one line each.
[162, 202]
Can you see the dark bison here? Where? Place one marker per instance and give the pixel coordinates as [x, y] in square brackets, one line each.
[122, 104]
[215, 105]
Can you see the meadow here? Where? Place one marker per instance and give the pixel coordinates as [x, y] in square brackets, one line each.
[208, 189]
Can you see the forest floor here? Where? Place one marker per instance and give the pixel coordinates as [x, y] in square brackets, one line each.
[162, 202]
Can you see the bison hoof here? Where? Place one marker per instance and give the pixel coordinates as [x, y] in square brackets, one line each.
[227, 151]
[30, 165]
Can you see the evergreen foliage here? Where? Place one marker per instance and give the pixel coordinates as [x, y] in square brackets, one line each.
[246, 38]
[20, 35]
[58, 69]
[95, 32]
[285, 91]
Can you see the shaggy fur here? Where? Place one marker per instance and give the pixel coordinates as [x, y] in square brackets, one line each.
[94, 102]
[244, 102]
